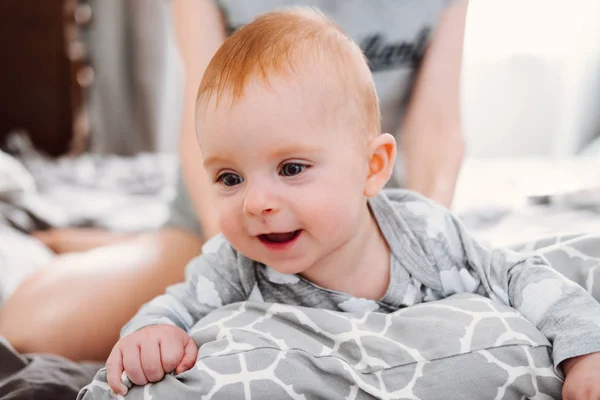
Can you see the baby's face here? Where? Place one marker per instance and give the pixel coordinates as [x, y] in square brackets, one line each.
[288, 174]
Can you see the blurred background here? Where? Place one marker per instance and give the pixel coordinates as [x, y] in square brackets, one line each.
[90, 75]
[90, 105]
[531, 78]
[91, 96]
[530, 100]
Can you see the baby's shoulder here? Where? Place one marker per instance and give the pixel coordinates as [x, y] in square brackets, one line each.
[401, 210]
[412, 204]
[403, 195]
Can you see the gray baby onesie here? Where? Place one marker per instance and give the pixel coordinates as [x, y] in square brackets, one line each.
[432, 257]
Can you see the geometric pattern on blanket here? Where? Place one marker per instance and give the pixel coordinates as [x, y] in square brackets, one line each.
[464, 346]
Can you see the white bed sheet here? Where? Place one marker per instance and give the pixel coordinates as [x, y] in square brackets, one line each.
[501, 200]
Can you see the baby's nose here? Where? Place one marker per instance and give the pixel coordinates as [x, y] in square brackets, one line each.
[259, 202]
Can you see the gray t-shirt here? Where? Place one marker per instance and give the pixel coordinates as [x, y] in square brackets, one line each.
[432, 257]
[393, 34]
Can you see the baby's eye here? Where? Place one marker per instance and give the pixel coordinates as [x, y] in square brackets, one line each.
[230, 179]
[291, 169]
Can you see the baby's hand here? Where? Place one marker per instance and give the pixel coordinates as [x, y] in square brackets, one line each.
[582, 380]
[148, 354]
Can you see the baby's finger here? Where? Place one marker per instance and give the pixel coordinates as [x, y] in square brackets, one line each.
[114, 369]
[171, 353]
[151, 363]
[190, 353]
[133, 365]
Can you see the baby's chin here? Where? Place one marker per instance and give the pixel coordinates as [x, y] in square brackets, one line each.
[287, 268]
[284, 267]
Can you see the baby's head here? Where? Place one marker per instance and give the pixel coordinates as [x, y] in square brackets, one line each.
[289, 127]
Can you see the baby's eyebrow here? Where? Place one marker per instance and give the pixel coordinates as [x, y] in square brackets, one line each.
[211, 160]
[286, 151]
[293, 150]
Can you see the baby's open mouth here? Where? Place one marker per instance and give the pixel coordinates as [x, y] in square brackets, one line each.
[279, 237]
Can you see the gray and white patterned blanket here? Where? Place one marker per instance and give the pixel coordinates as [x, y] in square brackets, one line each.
[430, 351]
[461, 347]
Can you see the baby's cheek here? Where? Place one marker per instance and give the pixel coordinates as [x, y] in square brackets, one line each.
[229, 222]
[333, 215]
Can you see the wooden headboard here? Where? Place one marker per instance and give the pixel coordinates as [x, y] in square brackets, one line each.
[43, 72]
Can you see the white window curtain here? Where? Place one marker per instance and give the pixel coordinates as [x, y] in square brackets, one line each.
[531, 77]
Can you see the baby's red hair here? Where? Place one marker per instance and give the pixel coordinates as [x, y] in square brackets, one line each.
[276, 44]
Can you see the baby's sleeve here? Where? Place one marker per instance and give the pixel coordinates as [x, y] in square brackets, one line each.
[212, 281]
[562, 310]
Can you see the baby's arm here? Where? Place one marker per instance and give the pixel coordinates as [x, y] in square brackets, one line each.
[563, 311]
[156, 340]
[212, 281]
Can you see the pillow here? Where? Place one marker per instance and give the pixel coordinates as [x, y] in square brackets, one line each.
[20, 256]
[464, 346]
[14, 178]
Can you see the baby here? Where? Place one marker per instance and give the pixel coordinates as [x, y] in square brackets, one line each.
[289, 126]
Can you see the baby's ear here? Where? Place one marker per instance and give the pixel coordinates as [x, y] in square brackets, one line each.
[382, 152]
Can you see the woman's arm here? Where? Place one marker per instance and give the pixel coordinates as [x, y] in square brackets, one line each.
[200, 31]
[432, 138]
